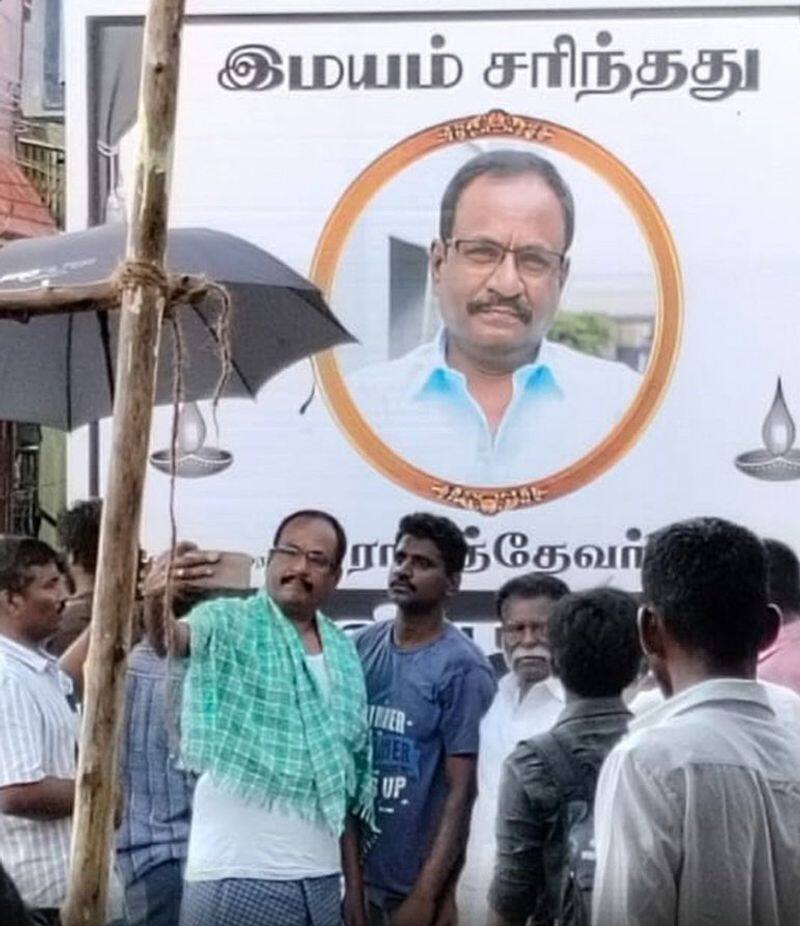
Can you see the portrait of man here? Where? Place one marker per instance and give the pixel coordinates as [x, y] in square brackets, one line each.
[490, 399]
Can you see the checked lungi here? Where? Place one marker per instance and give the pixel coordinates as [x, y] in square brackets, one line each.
[252, 902]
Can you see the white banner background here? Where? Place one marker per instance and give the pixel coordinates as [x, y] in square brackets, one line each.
[270, 166]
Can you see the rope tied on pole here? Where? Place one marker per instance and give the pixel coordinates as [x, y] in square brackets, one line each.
[133, 273]
[182, 292]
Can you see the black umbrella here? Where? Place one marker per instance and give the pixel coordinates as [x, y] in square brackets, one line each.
[58, 370]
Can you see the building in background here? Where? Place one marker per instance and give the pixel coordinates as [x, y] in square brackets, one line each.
[32, 459]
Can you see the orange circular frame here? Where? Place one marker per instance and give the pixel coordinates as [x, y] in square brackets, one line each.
[499, 124]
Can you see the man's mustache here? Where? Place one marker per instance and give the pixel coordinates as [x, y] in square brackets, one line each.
[517, 305]
[535, 652]
[399, 583]
[304, 582]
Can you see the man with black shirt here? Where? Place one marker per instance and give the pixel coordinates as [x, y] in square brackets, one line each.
[595, 652]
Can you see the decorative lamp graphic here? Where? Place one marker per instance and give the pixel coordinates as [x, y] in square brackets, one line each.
[778, 462]
[193, 460]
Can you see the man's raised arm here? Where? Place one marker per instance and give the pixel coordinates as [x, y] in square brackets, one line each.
[188, 567]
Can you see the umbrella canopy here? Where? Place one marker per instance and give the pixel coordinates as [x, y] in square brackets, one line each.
[58, 370]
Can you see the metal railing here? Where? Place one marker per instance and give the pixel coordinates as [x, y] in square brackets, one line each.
[44, 165]
[19, 479]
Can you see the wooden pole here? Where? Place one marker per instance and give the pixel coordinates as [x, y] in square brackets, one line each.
[140, 322]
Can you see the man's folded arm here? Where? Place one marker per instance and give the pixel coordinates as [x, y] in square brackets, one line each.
[48, 799]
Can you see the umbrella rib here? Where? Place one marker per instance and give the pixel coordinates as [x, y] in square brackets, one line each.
[234, 365]
[105, 338]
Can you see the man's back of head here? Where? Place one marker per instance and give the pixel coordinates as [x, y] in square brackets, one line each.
[78, 529]
[595, 642]
[780, 662]
[783, 579]
[705, 787]
[704, 591]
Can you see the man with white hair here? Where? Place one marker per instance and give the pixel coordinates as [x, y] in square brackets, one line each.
[528, 701]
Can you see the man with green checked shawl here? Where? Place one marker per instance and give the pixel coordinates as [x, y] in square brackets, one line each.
[274, 722]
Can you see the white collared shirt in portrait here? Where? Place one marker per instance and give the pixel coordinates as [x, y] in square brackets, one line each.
[563, 404]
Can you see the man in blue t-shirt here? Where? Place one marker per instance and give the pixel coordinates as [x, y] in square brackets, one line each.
[428, 687]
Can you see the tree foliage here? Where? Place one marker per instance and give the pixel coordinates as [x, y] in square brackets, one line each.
[588, 332]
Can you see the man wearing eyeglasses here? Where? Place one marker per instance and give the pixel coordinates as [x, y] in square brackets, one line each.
[528, 701]
[516, 405]
[274, 721]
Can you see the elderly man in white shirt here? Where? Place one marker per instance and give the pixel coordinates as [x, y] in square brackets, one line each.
[491, 401]
[697, 812]
[528, 701]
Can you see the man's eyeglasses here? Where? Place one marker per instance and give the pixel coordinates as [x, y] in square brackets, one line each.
[314, 558]
[483, 253]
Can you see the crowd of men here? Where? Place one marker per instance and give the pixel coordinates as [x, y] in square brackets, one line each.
[638, 764]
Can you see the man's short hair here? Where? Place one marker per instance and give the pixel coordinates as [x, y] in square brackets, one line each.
[78, 530]
[313, 514]
[506, 162]
[530, 585]
[783, 576]
[18, 555]
[594, 642]
[707, 579]
[446, 536]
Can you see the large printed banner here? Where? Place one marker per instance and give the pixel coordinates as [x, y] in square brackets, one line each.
[651, 252]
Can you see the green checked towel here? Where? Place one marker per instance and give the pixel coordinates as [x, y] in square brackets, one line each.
[254, 719]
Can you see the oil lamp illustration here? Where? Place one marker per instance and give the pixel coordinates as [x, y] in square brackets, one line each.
[193, 459]
[778, 461]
